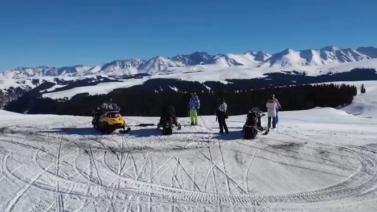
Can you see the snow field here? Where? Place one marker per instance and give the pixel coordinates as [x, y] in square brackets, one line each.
[322, 159]
[62, 163]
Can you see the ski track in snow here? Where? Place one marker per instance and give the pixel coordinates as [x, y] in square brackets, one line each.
[302, 166]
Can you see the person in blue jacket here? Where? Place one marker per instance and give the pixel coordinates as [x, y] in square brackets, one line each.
[194, 106]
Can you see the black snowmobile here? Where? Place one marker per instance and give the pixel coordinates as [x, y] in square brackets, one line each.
[168, 120]
[253, 124]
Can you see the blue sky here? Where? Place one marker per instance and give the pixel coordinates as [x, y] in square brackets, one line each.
[89, 32]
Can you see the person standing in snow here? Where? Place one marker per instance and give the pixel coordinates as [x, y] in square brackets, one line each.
[278, 107]
[271, 113]
[222, 114]
[362, 89]
[194, 105]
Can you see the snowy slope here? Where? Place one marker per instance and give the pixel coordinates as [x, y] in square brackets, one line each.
[316, 160]
[157, 65]
[101, 88]
[213, 72]
[121, 67]
[365, 105]
[8, 113]
[317, 57]
[286, 58]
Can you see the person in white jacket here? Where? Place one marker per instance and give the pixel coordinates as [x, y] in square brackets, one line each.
[271, 106]
[278, 107]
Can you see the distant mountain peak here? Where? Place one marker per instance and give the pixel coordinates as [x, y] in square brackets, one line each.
[370, 51]
[288, 50]
[195, 58]
[330, 48]
[260, 56]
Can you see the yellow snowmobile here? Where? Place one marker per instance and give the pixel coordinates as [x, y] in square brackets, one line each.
[108, 120]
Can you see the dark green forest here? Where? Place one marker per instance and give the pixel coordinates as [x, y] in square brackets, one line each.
[297, 97]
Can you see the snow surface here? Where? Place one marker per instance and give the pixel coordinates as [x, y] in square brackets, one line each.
[364, 105]
[322, 159]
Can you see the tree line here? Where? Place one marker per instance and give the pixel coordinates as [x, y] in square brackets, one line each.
[149, 103]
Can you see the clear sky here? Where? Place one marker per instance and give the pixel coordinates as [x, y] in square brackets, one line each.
[89, 32]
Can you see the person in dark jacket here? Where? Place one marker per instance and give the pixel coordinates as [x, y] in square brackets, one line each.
[110, 106]
[168, 116]
[222, 115]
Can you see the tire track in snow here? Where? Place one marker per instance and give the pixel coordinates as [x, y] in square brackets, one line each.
[355, 185]
[11, 203]
[59, 196]
[246, 178]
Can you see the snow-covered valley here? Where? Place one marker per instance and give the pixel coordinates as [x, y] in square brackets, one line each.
[322, 159]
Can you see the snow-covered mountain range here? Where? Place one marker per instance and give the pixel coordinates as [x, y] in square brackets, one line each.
[198, 66]
[287, 58]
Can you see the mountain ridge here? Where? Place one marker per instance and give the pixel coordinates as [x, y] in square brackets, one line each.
[158, 64]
